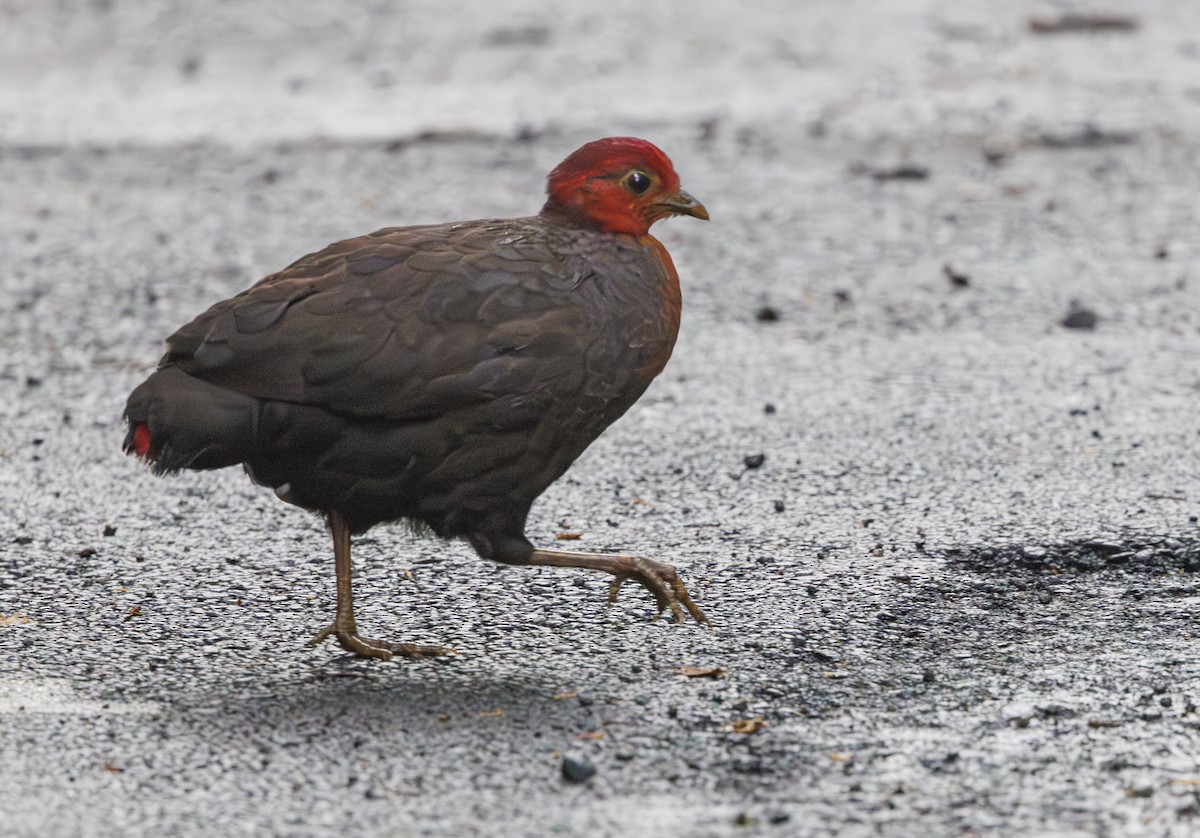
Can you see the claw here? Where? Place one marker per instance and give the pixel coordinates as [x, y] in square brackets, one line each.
[615, 587]
[366, 647]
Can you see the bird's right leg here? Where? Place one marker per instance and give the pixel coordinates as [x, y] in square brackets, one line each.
[343, 626]
[659, 578]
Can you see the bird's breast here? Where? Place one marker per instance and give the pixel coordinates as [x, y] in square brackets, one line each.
[668, 303]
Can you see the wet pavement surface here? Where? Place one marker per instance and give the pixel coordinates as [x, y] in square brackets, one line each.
[927, 451]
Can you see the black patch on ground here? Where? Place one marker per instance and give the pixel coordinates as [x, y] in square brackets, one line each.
[1147, 556]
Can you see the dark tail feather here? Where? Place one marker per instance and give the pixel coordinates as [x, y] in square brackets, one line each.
[177, 421]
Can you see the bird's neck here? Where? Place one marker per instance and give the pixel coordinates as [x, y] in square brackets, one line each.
[567, 215]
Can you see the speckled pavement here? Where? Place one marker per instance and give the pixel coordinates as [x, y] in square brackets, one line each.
[949, 544]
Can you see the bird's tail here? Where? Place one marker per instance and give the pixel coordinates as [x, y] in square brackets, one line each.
[177, 421]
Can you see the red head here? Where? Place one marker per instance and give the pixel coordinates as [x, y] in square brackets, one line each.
[618, 185]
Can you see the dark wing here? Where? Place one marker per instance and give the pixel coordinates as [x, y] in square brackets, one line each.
[401, 325]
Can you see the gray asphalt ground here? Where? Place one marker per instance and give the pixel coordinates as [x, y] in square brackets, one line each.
[956, 597]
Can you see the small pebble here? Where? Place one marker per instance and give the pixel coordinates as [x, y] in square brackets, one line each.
[753, 461]
[577, 769]
[1079, 317]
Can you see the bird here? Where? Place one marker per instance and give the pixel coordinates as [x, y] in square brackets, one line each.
[441, 375]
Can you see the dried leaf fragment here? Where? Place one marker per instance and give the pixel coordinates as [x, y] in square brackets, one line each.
[16, 619]
[569, 536]
[747, 726]
[702, 671]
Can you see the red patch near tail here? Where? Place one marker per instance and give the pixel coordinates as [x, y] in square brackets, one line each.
[141, 440]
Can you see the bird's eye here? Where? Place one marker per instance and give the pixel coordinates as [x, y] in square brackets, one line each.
[637, 182]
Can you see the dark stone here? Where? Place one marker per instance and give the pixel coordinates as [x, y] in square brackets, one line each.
[577, 769]
[1080, 318]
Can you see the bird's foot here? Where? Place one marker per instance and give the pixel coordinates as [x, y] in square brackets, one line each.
[366, 647]
[659, 578]
[663, 582]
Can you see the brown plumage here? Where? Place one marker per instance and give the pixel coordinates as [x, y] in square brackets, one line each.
[444, 374]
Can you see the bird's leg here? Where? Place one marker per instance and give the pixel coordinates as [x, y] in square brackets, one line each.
[658, 577]
[343, 626]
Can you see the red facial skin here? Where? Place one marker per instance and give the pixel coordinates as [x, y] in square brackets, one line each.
[591, 187]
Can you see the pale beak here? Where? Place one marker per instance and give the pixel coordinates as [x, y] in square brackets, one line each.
[681, 203]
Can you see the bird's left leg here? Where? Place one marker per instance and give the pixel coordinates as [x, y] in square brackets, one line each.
[343, 627]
